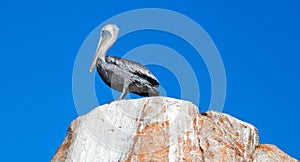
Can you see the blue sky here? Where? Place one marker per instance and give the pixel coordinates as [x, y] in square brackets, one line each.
[258, 42]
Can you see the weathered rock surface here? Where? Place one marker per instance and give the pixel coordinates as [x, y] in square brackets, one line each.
[162, 129]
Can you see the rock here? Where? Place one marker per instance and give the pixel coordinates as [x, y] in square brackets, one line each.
[224, 138]
[162, 129]
[266, 153]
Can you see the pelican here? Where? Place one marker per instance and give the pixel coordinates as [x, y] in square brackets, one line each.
[121, 74]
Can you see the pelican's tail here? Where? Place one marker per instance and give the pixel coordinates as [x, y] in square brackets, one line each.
[153, 92]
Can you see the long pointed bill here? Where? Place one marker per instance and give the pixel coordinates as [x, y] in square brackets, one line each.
[97, 54]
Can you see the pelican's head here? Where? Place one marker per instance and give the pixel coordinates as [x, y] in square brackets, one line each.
[108, 37]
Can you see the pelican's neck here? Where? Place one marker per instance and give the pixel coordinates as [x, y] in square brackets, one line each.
[106, 46]
[105, 49]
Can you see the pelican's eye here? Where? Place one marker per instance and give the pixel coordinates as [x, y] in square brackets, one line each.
[106, 33]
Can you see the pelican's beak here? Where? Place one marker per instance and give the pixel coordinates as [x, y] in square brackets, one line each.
[97, 54]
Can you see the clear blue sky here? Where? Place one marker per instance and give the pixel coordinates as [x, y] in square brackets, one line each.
[258, 41]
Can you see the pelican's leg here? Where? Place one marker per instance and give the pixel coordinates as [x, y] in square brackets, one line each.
[125, 89]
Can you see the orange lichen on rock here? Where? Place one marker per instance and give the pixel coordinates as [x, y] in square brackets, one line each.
[152, 142]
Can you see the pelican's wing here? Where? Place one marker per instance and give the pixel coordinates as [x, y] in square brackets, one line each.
[133, 67]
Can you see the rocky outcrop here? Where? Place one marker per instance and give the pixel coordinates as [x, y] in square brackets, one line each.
[162, 129]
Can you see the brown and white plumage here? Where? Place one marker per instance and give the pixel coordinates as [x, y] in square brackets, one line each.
[134, 68]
